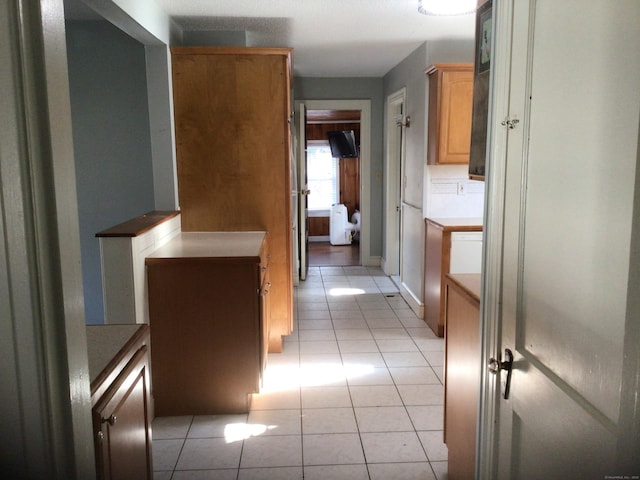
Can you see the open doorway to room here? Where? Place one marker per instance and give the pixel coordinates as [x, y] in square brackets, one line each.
[333, 181]
[340, 113]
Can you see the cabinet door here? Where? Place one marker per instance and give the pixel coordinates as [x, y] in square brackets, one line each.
[122, 424]
[455, 120]
[205, 333]
[450, 108]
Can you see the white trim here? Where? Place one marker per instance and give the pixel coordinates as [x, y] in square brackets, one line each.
[392, 264]
[321, 212]
[46, 411]
[365, 166]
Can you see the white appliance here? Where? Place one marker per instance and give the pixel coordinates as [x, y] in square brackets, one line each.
[466, 252]
[340, 227]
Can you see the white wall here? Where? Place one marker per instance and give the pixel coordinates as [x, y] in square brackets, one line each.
[450, 193]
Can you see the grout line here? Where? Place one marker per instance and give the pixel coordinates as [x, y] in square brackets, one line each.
[323, 280]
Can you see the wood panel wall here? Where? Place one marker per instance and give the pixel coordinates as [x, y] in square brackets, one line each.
[318, 226]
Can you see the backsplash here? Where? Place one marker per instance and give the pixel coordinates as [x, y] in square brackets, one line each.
[450, 193]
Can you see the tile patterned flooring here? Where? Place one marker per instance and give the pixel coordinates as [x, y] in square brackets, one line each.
[356, 394]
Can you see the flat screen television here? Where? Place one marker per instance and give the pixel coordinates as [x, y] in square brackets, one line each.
[343, 144]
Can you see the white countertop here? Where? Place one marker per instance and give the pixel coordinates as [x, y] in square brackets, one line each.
[457, 222]
[212, 245]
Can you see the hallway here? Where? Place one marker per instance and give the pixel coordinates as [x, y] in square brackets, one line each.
[323, 254]
[357, 394]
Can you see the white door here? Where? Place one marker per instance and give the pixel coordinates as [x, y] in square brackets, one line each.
[393, 175]
[560, 286]
[303, 227]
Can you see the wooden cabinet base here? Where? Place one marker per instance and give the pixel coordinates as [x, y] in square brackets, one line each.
[462, 374]
[205, 336]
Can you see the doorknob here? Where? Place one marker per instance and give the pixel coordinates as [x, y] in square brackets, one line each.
[495, 366]
[305, 191]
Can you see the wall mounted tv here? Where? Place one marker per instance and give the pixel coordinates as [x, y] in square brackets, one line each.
[343, 144]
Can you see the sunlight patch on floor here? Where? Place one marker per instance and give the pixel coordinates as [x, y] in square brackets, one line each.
[236, 432]
[282, 378]
[341, 292]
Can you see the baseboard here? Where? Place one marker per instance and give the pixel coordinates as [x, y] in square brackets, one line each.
[320, 238]
[386, 268]
[412, 300]
[371, 261]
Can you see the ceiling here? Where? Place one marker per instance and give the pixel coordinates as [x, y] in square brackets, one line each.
[330, 38]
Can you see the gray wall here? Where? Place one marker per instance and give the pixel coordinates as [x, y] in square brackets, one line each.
[311, 88]
[410, 74]
[112, 147]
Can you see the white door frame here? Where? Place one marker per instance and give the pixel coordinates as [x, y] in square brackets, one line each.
[493, 234]
[392, 260]
[46, 401]
[365, 165]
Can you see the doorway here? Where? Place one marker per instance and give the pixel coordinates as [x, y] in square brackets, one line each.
[332, 179]
[337, 115]
[396, 123]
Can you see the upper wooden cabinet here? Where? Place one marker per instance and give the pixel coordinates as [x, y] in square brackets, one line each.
[450, 108]
[232, 112]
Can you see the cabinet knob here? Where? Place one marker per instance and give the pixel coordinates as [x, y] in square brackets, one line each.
[111, 420]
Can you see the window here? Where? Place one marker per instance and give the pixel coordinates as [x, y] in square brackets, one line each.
[322, 177]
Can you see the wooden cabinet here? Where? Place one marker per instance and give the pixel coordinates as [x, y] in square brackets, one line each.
[209, 295]
[123, 249]
[439, 261]
[463, 365]
[120, 398]
[450, 108]
[232, 113]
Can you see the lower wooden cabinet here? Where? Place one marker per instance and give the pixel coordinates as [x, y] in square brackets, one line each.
[208, 302]
[463, 364]
[121, 411]
[442, 257]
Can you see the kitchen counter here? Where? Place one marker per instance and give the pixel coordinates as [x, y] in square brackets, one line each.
[209, 295]
[462, 372]
[458, 224]
[452, 245]
[211, 245]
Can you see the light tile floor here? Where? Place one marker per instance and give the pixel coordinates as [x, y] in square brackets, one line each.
[356, 394]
